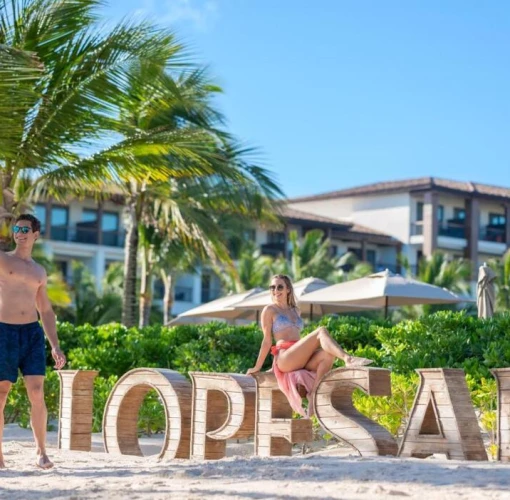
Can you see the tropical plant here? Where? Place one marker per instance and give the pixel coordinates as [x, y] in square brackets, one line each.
[104, 109]
[311, 256]
[252, 269]
[502, 270]
[442, 271]
[89, 305]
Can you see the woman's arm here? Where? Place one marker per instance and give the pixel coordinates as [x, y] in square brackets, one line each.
[267, 323]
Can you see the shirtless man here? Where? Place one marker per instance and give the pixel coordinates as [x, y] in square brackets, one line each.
[22, 295]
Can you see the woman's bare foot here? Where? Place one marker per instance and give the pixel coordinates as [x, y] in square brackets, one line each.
[353, 361]
[43, 461]
[2, 463]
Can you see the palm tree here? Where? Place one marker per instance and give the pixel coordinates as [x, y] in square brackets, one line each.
[185, 217]
[252, 269]
[109, 107]
[502, 269]
[442, 271]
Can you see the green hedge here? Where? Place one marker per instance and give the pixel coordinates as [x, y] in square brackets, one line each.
[445, 339]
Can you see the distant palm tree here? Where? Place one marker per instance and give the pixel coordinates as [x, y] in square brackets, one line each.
[442, 271]
[252, 269]
[311, 256]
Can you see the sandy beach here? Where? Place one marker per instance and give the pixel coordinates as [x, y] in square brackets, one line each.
[327, 474]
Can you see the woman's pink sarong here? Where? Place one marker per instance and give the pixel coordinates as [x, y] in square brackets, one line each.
[288, 382]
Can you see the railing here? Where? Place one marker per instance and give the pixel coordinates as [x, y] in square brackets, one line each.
[209, 294]
[493, 233]
[183, 294]
[78, 234]
[417, 228]
[452, 229]
[272, 249]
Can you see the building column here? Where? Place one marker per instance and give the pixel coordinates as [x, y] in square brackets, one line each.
[472, 234]
[99, 266]
[47, 222]
[197, 287]
[430, 223]
[398, 265]
[100, 223]
[507, 225]
[363, 250]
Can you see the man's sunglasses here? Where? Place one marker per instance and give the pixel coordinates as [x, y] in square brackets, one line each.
[22, 229]
[276, 287]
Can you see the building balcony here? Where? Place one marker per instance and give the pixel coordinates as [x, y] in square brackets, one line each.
[493, 233]
[87, 235]
[272, 249]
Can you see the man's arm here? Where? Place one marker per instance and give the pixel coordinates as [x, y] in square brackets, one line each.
[49, 322]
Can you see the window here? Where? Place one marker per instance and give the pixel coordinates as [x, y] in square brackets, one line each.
[497, 220]
[40, 213]
[276, 237]
[419, 211]
[440, 213]
[86, 229]
[59, 221]
[371, 257]
[110, 228]
[459, 214]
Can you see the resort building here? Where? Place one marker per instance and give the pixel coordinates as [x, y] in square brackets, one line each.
[376, 222]
[463, 219]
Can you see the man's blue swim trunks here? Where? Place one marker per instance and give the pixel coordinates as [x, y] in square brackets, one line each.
[21, 347]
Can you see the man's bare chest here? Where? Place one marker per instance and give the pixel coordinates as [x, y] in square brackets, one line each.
[20, 272]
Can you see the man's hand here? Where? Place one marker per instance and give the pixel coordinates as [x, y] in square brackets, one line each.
[59, 357]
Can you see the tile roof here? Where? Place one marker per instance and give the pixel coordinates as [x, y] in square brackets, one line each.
[349, 228]
[421, 183]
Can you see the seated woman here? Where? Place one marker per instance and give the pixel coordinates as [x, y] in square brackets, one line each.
[315, 353]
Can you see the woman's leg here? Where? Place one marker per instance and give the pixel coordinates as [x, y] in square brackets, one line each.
[320, 363]
[297, 356]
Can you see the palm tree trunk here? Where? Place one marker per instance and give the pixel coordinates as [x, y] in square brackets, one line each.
[168, 298]
[130, 266]
[145, 292]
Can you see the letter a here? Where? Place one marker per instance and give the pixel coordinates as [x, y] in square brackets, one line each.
[443, 419]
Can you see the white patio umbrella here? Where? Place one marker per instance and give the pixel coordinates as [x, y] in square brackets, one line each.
[302, 288]
[218, 309]
[486, 293]
[383, 290]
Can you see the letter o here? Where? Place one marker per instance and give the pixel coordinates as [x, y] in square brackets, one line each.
[120, 420]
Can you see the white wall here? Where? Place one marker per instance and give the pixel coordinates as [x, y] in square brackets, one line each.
[388, 213]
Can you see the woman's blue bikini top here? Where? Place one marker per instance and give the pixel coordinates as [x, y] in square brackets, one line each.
[281, 322]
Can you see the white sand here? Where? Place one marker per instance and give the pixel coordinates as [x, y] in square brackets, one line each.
[320, 475]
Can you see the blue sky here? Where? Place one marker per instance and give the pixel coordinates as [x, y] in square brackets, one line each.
[338, 93]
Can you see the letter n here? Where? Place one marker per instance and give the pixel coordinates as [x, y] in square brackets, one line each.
[76, 409]
[337, 415]
[443, 419]
[502, 376]
[223, 408]
[120, 422]
[276, 430]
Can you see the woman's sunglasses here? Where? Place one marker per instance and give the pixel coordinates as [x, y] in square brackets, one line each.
[276, 287]
[22, 229]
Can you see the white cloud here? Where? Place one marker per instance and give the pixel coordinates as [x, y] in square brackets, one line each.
[202, 14]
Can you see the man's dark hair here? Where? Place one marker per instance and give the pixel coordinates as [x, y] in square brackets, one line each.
[36, 223]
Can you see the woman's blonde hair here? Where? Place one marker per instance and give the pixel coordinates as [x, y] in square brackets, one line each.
[291, 297]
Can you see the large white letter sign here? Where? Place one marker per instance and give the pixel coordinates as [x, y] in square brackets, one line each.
[502, 376]
[443, 419]
[76, 405]
[337, 415]
[120, 430]
[276, 430]
[223, 408]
